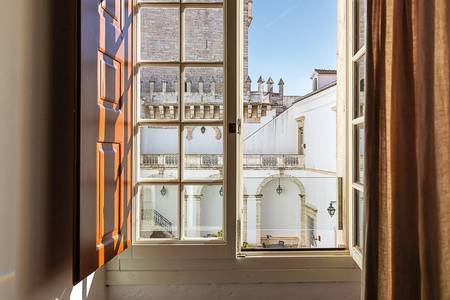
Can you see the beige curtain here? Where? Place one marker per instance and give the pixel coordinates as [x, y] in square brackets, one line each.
[407, 252]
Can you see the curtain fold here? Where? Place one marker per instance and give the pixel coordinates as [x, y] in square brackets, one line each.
[407, 250]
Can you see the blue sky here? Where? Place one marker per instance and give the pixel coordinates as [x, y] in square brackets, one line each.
[289, 38]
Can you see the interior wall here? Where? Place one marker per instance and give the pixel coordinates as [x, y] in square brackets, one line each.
[341, 291]
[9, 130]
[37, 150]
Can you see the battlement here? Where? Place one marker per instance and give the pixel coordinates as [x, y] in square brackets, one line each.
[203, 95]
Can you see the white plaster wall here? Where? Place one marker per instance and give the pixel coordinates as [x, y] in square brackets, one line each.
[166, 205]
[280, 136]
[288, 291]
[159, 140]
[280, 214]
[204, 143]
[251, 128]
[319, 192]
[211, 210]
[320, 189]
[326, 79]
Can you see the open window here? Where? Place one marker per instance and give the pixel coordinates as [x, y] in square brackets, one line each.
[292, 196]
[185, 125]
[213, 165]
[355, 127]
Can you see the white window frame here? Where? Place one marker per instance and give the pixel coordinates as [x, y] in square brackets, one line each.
[353, 55]
[206, 262]
[192, 247]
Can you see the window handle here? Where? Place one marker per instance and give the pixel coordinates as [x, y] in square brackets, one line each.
[235, 127]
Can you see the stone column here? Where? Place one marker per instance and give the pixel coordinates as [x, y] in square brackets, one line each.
[192, 215]
[256, 200]
[244, 219]
[304, 233]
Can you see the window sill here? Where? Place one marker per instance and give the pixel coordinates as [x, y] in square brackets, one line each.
[320, 266]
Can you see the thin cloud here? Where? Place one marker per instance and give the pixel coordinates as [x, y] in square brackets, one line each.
[286, 12]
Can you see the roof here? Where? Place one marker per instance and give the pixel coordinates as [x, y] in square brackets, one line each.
[326, 87]
[325, 71]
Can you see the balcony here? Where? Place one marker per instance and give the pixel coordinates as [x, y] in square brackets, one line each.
[215, 161]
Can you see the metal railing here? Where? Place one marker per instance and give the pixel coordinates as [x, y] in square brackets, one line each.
[158, 219]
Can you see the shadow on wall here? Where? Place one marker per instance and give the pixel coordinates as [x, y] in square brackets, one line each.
[46, 206]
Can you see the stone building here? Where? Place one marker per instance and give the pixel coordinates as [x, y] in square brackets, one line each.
[202, 88]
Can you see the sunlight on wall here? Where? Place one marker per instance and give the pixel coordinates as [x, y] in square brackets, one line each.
[82, 289]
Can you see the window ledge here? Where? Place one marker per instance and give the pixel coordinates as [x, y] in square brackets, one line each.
[308, 267]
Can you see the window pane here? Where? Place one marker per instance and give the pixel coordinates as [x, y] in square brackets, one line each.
[158, 1]
[203, 152]
[203, 93]
[203, 211]
[202, 1]
[359, 153]
[282, 212]
[360, 95]
[158, 211]
[359, 215]
[159, 92]
[159, 34]
[203, 34]
[360, 24]
[159, 152]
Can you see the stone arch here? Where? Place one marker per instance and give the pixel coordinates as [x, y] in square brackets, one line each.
[298, 241]
[297, 182]
[190, 131]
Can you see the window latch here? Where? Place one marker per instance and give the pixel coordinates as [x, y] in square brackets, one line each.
[235, 127]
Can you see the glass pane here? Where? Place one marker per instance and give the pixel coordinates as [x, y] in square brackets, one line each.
[159, 92]
[360, 95]
[203, 211]
[359, 153]
[158, 1]
[203, 34]
[159, 34]
[359, 215]
[159, 207]
[360, 24]
[282, 212]
[202, 1]
[203, 93]
[203, 152]
[159, 152]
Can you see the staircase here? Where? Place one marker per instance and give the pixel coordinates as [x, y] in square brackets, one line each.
[157, 225]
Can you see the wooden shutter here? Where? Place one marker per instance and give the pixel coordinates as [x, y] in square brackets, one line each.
[103, 221]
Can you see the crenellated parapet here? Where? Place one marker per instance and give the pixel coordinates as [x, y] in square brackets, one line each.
[203, 96]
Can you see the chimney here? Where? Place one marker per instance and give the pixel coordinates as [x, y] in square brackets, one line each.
[248, 85]
[200, 85]
[270, 85]
[260, 85]
[164, 87]
[281, 87]
[213, 86]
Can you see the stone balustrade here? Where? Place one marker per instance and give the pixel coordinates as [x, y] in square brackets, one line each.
[215, 161]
